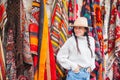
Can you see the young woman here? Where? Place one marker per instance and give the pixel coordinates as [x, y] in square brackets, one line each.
[77, 55]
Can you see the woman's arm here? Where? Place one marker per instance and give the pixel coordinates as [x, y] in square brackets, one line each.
[63, 57]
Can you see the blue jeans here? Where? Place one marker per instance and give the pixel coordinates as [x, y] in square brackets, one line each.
[81, 75]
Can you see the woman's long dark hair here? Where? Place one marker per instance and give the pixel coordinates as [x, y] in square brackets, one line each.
[88, 41]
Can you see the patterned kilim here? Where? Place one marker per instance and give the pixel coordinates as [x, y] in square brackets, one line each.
[16, 63]
[116, 69]
[113, 42]
[116, 65]
[58, 27]
[106, 17]
[111, 38]
[2, 55]
[98, 27]
[111, 32]
[59, 31]
[91, 10]
[117, 33]
[27, 56]
[24, 26]
[50, 71]
[52, 61]
[2, 63]
[12, 36]
[73, 9]
[3, 15]
[10, 57]
[33, 29]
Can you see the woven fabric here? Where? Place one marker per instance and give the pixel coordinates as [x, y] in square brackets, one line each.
[111, 39]
[73, 10]
[13, 51]
[92, 11]
[2, 62]
[2, 26]
[117, 33]
[43, 29]
[27, 56]
[116, 69]
[18, 65]
[52, 61]
[59, 28]
[59, 31]
[34, 30]
[24, 26]
[116, 65]
[99, 33]
[10, 57]
[106, 17]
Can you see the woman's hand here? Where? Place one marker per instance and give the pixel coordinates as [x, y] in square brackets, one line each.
[89, 69]
[76, 70]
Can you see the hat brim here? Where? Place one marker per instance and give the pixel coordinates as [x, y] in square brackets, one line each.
[71, 25]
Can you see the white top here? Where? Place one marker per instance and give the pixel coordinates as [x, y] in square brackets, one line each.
[70, 58]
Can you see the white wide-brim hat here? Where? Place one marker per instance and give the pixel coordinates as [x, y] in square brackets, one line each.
[80, 22]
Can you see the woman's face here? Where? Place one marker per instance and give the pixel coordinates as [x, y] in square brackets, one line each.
[79, 31]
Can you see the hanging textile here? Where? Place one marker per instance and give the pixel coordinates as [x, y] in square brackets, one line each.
[47, 74]
[116, 69]
[2, 62]
[27, 56]
[59, 31]
[3, 20]
[73, 10]
[11, 68]
[111, 40]
[117, 32]
[106, 17]
[111, 34]
[42, 42]
[35, 23]
[80, 2]
[99, 24]
[50, 63]
[33, 30]
[116, 65]
[86, 5]
[18, 58]
[92, 11]
[111, 29]
[10, 57]
[3, 17]
[59, 26]
[43, 26]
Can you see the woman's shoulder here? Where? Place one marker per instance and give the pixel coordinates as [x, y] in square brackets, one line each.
[70, 39]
